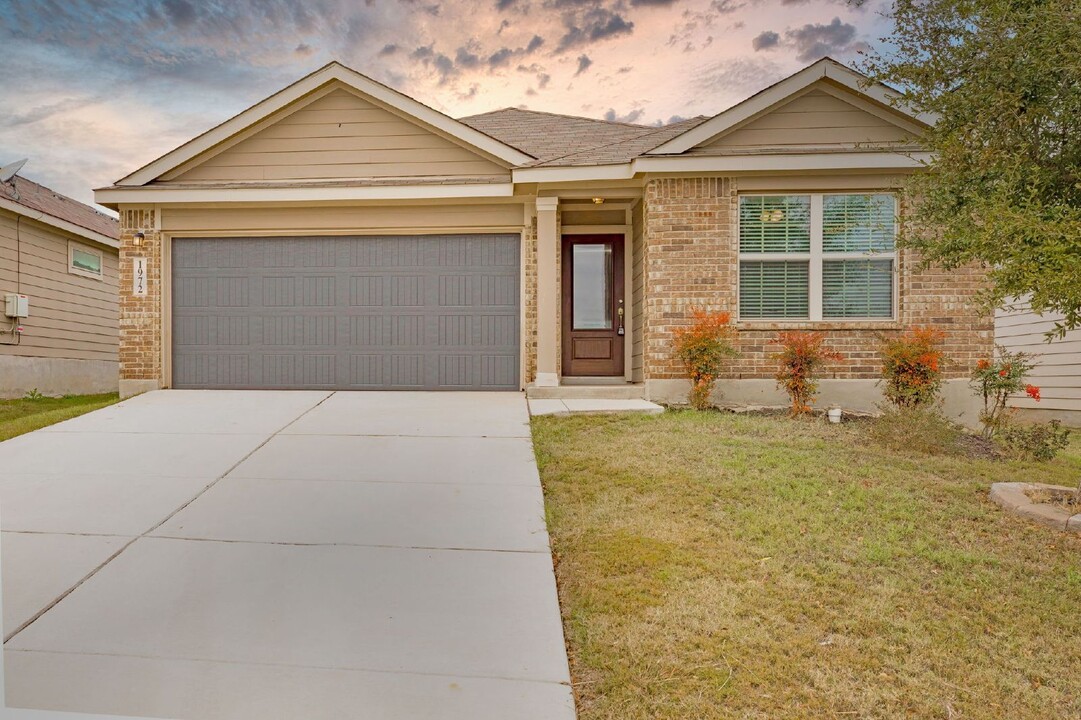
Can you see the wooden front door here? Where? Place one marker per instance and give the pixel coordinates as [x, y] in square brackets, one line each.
[593, 305]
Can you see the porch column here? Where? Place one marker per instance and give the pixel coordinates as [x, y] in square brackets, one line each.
[547, 296]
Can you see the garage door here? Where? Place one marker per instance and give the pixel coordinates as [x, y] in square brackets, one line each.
[404, 312]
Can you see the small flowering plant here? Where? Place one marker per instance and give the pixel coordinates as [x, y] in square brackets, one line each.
[802, 356]
[912, 367]
[995, 380]
[703, 347]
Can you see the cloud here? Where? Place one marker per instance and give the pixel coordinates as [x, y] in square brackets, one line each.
[813, 41]
[765, 40]
[857, 4]
[736, 78]
[389, 49]
[632, 116]
[181, 12]
[583, 64]
[463, 58]
[303, 50]
[586, 22]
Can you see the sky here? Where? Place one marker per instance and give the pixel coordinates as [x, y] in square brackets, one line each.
[94, 89]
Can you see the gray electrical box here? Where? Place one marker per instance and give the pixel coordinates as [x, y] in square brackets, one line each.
[16, 306]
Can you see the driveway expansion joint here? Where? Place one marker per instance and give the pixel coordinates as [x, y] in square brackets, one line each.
[49, 606]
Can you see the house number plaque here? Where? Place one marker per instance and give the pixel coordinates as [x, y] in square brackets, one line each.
[138, 276]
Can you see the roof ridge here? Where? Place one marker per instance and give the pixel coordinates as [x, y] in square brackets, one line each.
[562, 115]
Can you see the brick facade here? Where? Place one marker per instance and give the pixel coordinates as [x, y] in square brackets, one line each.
[692, 260]
[140, 317]
[529, 284]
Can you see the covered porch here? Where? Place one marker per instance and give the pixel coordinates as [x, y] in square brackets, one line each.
[588, 294]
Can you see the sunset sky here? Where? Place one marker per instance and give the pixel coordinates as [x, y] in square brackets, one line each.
[93, 89]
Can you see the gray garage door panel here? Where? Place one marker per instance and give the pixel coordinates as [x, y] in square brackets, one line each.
[405, 312]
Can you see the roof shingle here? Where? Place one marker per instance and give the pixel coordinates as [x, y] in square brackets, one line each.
[31, 195]
[570, 140]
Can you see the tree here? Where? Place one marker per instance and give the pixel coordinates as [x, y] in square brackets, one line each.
[1004, 187]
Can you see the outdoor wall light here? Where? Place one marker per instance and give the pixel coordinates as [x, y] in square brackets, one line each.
[137, 239]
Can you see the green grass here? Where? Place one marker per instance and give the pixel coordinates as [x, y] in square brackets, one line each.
[24, 415]
[721, 566]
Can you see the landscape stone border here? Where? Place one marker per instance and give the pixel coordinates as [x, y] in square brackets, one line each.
[1013, 497]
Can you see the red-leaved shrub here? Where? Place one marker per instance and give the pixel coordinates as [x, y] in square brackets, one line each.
[912, 367]
[802, 356]
[703, 348]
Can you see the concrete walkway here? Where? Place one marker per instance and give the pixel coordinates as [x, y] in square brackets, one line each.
[205, 554]
[566, 406]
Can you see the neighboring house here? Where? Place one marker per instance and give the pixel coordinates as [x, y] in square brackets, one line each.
[1058, 363]
[342, 235]
[61, 255]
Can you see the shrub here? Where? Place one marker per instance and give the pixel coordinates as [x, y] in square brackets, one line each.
[802, 356]
[912, 367]
[995, 380]
[1034, 441]
[922, 429]
[703, 348]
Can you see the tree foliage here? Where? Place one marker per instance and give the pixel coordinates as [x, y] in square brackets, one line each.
[1004, 191]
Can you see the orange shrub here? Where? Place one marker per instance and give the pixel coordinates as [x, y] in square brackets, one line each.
[912, 367]
[802, 356]
[703, 347]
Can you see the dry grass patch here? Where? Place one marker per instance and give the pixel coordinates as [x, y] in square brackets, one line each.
[723, 566]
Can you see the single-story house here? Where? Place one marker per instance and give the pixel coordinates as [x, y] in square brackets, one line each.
[1058, 363]
[340, 234]
[58, 293]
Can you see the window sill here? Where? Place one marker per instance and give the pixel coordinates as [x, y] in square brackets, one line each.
[819, 325]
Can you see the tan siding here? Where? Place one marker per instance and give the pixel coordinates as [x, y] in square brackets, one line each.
[71, 316]
[342, 135]
[341, 220]
[814, 119]
[1058, 372]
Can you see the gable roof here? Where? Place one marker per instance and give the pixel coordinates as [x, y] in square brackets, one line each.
[50, 207]
[825, 69]
[329, 73]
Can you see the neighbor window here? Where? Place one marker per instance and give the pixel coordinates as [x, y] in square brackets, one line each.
[817, 257]
[83, 260]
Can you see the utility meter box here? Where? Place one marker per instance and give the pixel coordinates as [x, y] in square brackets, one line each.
[16, 306]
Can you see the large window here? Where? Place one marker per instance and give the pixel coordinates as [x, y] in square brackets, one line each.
[817, 257]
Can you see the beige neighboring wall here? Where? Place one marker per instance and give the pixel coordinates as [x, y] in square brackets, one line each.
[1058, 363]
[339, 135]
[70, 341]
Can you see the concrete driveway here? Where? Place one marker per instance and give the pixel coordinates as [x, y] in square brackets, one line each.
[207, 554]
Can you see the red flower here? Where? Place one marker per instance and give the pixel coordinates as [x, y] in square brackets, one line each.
[1003, 373]
[983, 365]
[1033, 392]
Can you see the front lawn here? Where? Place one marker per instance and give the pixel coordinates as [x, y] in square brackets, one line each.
[23, 415]
[721, 566]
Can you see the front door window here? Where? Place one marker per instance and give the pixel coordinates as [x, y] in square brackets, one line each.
[592, 286]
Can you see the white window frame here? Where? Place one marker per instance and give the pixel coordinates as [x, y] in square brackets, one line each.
[817, 256]
[72, 247]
